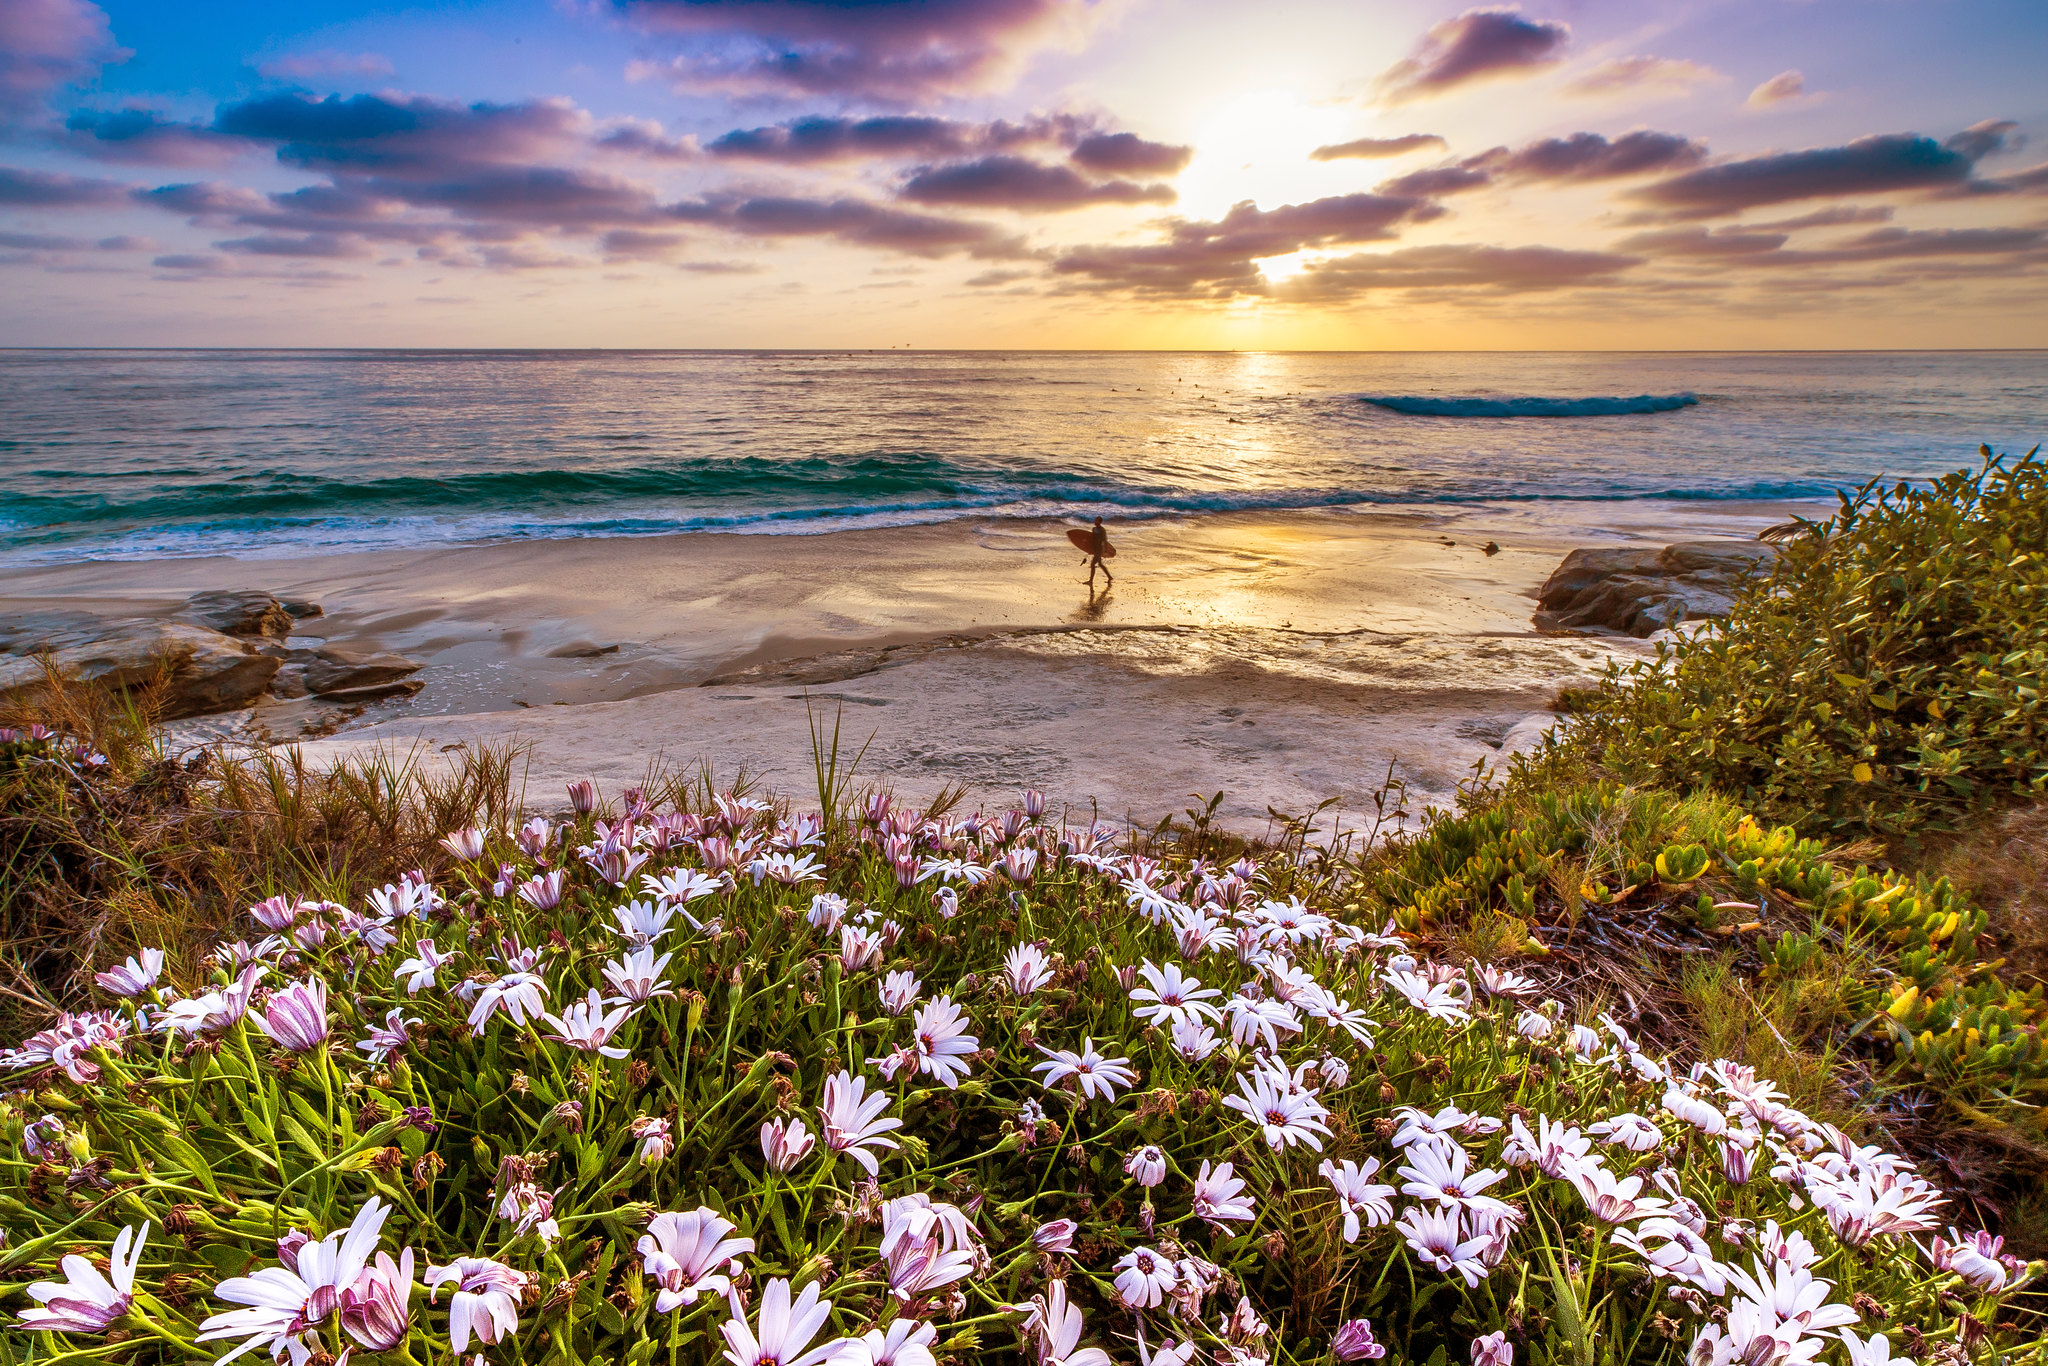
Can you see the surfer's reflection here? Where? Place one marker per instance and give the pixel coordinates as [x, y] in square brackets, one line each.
[1096, 606]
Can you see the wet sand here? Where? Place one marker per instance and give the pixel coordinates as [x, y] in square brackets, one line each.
[1280, 658]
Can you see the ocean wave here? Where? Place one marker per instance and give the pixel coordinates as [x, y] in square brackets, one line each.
[1425, 405]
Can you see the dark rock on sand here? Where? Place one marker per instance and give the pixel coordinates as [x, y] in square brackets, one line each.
[1642, 591]
[198, 669]
[334, 672]
[240, 613]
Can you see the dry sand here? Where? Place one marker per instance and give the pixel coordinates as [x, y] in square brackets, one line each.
[1280, 658]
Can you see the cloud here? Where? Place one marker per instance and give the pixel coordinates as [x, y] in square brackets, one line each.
[635, 244]
[1589, 156]
[1835, 216]
[405, 135]
[824, 138]
[1378, 147]
[146, 137]
[319, 245]
[858, 221]
[1748, 247]
[47, 44]
[25, 188]
[1015, 183]
[1782, 88]
[1461, 266]
[326, 64]
[1479, 43]
[646, 138]
[203, 199]
[1986, 138]
[550, 195]
[1218, 259]
[1129, 154]
[1887, 162]
[720, 267]
[2033, 180]
[889, 49]
[1580, 157]
[1641, 75]
[1437, 180]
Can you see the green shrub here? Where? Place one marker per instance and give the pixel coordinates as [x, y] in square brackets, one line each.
[1885, 678]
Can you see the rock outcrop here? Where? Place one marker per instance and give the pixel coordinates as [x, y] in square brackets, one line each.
[217, 651]
[199, 669]
[1641, 591]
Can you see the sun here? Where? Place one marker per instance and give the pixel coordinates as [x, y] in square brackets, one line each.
[1256, 146]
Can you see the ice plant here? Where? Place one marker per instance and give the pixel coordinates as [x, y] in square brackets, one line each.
[376, 1309]
[942, 1041]
[288, 1301]
[852, 1120]
[1354, 1342]
[784, 1143]
[135, 976]
[1144, 1278]
[296, 1018]
[1359, 1194]
[484, 1303]
[782, 1335]
[85, 1301]
[587, 1026]
[1090, 1071]
[689, 1254]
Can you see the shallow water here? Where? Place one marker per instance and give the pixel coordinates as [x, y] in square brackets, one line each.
[253, 453]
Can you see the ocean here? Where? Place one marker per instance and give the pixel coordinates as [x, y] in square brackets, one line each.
[145, 454]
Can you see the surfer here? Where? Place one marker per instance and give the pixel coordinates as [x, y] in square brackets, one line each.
[1095, 541]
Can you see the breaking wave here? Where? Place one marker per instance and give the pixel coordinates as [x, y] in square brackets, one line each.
[1423, 405]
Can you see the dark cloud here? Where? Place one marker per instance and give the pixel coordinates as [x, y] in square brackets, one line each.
[405, 136]
[1009, 182]
[1218, 259]
[144, 136]
[1580, 157]
[533, 195]
[891, 49]
[319, 245]
[858, 221]
[1478, 43]
[1438, 180]
[1464, 267]
[203, 199]
[1378, 147]
[1638, 74]
[635, 244]
[1589, 156]
[720, 267]
[49, 189]
[824, 138]
[1129, 154]
[34, 241]
[190, 261]
[2033, 180]
[1743, 247]
[1889, 162]
[47, 44]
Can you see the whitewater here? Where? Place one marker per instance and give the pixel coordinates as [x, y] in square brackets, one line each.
[143, 454]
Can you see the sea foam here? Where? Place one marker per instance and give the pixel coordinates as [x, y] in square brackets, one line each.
[1424, 405]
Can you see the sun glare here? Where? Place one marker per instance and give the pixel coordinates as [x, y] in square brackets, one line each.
[1256, 146]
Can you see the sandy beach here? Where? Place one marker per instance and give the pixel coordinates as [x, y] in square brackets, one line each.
[1282, 659]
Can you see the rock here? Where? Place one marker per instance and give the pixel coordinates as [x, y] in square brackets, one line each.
[373, 692]
[1641, 591]
[333, 671]
[235, 612]
[290, 682]
[200, 670]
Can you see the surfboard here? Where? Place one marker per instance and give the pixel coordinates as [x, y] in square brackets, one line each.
[1084, 541]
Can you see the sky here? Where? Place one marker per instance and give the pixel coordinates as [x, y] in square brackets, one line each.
[1202, 174]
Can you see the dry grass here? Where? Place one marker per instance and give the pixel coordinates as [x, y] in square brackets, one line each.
[2003, 865]
[164, 850]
